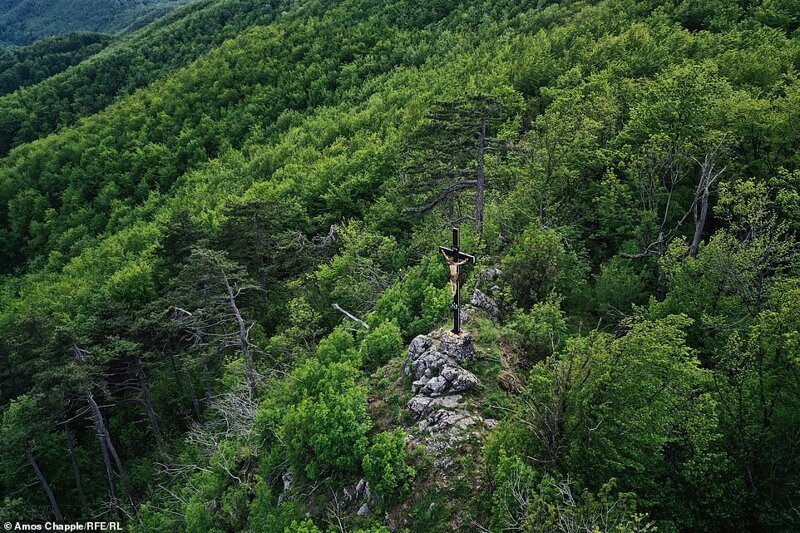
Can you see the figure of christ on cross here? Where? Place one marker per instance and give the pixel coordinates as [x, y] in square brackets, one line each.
[455, 259]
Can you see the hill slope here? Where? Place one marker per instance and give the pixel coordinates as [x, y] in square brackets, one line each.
[31, 64]
[25, 21]
[130, 63]
[176, 265]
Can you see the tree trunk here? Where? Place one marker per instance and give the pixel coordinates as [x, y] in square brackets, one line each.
[480, 173]
[148, 404]
[112, 484]
[103, 435]
[209, 384]
[193, 395]
[45, 485]
[244, 340]
[76, 471]
[176, 373]
[700, 218]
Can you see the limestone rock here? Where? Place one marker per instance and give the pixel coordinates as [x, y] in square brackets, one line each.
[458, 379]
[418, 346]
[362, 490]
[422, 405]
[486, 303]
[490, 274]
[445, 419]
[459, 347]
[363, 510]
[287, 480]
[427, 364]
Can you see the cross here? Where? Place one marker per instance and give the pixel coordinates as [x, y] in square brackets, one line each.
[455, 258]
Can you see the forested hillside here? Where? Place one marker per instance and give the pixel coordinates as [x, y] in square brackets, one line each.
[223, 306]
[25, 21]
[129, 64]
[31, 64]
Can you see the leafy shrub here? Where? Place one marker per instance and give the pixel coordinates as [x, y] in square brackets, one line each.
[381, 344]
[618, 286]
[537, 333]
[538, 264]
[386, 465]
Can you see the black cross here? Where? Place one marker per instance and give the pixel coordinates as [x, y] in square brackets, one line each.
[455, 259]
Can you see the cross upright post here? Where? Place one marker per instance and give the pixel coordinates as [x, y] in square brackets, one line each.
[456, 258]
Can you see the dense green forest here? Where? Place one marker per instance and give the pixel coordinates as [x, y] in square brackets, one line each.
[130, 63]
[25, 21]
[36, 62]
[223, 307]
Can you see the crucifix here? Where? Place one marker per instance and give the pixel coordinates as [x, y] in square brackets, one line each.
[455, 258]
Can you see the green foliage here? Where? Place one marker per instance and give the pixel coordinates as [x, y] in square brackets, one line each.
[539, 332]
[617, 287]
[33, 63]
[538, 263]
[281, 147]
[415, 304]
[338, 347]
[381, 344]
[386, 466]
[28, 20]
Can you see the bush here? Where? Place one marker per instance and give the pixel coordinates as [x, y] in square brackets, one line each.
[617, 287]
[337, 347]
[538, 332]
[381, 344]
[538, 264]
[386, 465]
[326, 432]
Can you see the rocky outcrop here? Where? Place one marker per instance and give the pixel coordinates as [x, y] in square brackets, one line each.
[435, 364]
[434, 361]
[487, 303]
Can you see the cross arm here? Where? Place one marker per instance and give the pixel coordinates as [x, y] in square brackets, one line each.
[461, 258]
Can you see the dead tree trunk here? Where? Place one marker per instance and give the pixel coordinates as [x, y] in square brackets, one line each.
[45, 485]
[103, 435]
[76, 470]
[244, 337]
[209, 384]
[148, 403]
[700, 207]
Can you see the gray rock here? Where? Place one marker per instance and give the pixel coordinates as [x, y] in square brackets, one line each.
[287, 480]
[460, 347]
[445, 419]
[362, 490]
[427, 364]
[486, 303]
[422, 405]
[419, 405]
[435, 387]
[363, 510]
[418, 346]
[419, 384]
[458, 379]
[490, 274]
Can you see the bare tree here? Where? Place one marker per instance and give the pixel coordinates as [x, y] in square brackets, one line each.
[109, 452]
[45, 485]
[207, 307]
[661, 172]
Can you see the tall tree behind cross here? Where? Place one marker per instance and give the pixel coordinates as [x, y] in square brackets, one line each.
[448, 159]
[456, 258]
